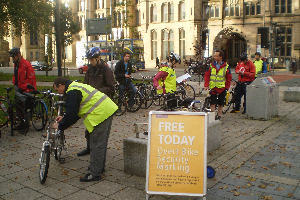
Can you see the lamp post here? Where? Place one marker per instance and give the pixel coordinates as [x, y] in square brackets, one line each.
[58, 36]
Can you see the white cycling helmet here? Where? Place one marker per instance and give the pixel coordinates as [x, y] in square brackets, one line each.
[174, 56]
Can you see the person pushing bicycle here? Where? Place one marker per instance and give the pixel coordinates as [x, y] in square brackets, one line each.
[217, 79]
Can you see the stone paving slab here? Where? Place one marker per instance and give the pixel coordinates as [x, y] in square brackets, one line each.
[244, 153]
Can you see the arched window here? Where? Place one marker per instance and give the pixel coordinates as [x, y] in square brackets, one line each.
[181, 11]
[164, 13]
[165, 44]
[137, 17]
[119, 19]
[153, 13]
[115, 19]
[171, 41]
[171, 12]
[182, 43]
[153, 44]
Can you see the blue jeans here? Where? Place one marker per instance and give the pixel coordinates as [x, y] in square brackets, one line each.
[131, 90]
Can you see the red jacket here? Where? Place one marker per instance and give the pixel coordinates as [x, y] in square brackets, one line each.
[228, 77]
[26, 75]
[249, 73]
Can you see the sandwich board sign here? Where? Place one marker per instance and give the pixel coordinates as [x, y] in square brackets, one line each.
[176, 153]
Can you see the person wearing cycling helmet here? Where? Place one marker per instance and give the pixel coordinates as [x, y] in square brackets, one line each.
[165, 80]
[217, 79]
[23, 75]
[99, 76]
[122, 72]
[246, 72]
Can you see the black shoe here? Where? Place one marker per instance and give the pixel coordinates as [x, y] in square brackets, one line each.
[83, 152]
[218, 117]
[89, 177]
[244, 112]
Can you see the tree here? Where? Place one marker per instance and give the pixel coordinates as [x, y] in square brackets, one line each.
[29, 15]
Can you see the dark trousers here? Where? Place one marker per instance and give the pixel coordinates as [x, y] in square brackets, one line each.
[241, 90]
[98, 146]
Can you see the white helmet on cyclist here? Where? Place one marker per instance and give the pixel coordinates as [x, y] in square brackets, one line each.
[174, 56]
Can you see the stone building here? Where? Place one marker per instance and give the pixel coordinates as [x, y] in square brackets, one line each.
[268, 26]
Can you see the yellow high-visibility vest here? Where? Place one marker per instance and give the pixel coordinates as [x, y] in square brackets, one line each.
[169, 82]
[95, 106]
[217, 80]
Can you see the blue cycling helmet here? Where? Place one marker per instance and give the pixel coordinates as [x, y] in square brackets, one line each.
[14, 51]
[93, 52]
[243, 56]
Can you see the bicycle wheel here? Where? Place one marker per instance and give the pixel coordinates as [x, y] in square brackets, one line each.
[120, 103]
[189, 91]
[39, 115]
[229, 102]
[206, 104]
[3, 112]
[147, 97]
[136, 104]
[44, 163]
[59, 141]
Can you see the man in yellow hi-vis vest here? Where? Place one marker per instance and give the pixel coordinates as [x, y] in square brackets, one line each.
[217, 79]
[258, 64]
[96, 109]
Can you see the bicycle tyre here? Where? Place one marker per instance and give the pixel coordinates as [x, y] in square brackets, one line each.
[137, 102]
[120, 103]
[189, 91]
[59, 141]
[147, 99]
[206, 104]
[4, 117]
[44, 164]
[39, 115]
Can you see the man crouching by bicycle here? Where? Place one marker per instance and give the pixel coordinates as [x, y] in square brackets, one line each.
[96, 109]
[217, 79]
[24, 75]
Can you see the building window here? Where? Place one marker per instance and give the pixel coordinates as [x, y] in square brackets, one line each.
[119, 19]
[137, 17]
[283, 6]
[153, 45]
[212, 11]
[31, 55]
[285, 50]
[115, 20]
[171, 12]
[217, 11]
[101, 4]
[164, 13]
[153, 13]
[82, 5]
[181, 11]
[165, 43]
[253, 8]
[33, 38]
[182, 43]
[37, 55]
[232, 8]
[171, 42]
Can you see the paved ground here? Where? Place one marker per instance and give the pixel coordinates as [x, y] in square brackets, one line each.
[257, 160]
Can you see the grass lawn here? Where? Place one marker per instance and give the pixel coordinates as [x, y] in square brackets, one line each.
[39, 78]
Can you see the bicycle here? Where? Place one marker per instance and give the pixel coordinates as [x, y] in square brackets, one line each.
[55, 139]
[186, 90]
[7, 113]
[146, 92]
[123, 101]
[230, 99]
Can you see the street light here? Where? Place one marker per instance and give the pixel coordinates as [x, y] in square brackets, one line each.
[58, 36]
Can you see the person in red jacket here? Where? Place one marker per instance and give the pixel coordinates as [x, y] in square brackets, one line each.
[246, 71]
[218, 78]
[24, 75]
